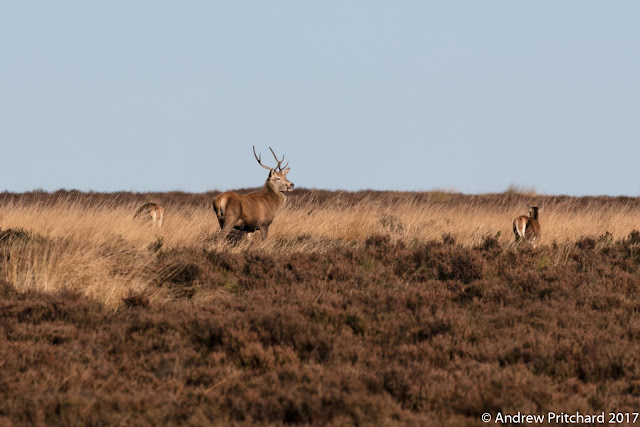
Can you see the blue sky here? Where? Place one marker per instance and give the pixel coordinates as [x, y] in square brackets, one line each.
[412, 95]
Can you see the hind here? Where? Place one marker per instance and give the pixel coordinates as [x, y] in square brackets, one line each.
[152, 210]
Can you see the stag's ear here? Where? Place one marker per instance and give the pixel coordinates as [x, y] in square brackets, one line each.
[285, 171]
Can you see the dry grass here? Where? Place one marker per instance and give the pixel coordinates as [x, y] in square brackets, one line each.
[96, 247]
[469, 219]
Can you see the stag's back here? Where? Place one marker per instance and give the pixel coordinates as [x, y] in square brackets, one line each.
[251, 209]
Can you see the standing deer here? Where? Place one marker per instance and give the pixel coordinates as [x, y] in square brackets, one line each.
[528, 227]
[153, 210]
[254, 211]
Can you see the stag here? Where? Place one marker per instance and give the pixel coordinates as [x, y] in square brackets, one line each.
[254, 211]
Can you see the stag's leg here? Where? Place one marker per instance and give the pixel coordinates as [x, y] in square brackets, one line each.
[227, 227]
[226, 224]
[265, 230]
[221, 222]
[219, 210]
[229, 216]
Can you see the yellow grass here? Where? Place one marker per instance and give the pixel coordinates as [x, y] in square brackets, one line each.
[101, 251]
[468, 221]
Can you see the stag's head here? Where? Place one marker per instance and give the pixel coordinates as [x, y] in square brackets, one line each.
[277, 176]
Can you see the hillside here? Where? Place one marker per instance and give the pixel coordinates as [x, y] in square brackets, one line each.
[361, 308]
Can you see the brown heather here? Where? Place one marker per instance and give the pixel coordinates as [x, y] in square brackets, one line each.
[360, 308]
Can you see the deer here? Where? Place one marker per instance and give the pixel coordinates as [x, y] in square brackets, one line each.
[254, 211]
[154, 211]
[528, 227]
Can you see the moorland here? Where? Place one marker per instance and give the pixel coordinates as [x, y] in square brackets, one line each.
[370, 307]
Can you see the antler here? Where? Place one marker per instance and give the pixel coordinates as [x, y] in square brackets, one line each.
[277, 168]
[258, 158]
[279, 161]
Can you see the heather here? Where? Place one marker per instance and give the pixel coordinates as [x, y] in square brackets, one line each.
[374, 321]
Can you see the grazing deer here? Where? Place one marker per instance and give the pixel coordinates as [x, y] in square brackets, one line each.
[528, 227]
[254, 211]
[153, 210]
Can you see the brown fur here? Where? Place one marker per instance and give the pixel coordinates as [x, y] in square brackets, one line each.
[153, 211]
[254, 211]
[529, 224]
